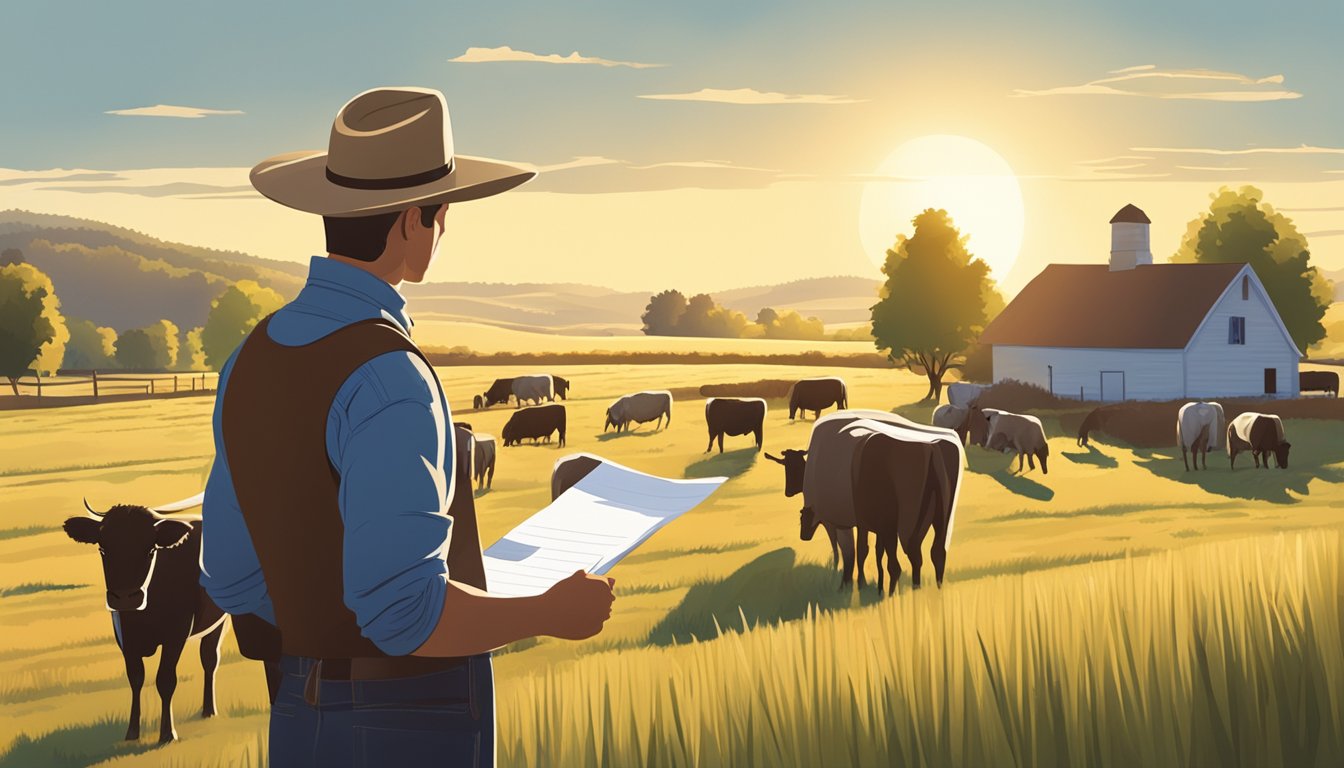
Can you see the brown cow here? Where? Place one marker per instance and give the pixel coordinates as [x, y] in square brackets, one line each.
[535, 422]
[1319, 381]
[734, 416]
[1259, 433]
[816, 395]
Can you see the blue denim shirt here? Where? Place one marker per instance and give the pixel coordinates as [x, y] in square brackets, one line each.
[387, 435]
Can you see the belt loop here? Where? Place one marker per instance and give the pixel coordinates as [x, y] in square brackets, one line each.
[312, 686]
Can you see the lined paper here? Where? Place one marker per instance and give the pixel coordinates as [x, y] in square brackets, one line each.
[591, 526]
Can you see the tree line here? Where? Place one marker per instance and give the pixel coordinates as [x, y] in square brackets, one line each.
[670, 313]
[36, 336]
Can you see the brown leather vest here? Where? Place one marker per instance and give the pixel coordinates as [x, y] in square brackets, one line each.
[274, 421]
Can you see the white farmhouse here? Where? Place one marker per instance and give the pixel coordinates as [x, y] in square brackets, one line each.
[1135, 330]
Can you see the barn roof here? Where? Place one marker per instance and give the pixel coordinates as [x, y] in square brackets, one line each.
[1130, 214]
[1155, 306]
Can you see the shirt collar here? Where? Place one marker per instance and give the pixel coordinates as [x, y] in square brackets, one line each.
[331, 274]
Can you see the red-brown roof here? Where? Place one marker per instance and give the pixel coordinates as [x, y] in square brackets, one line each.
[1130, 214]
[1154, 306]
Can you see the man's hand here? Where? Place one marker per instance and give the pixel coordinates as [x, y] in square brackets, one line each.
[578, 605]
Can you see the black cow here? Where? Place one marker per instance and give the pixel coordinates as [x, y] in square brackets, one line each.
[498, 393]
[734, 416]
[152, 573]
[816, 394]
[535, 422]
[561, 387]
[1319, 381]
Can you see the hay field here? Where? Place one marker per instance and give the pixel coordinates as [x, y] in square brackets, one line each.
[62, 688]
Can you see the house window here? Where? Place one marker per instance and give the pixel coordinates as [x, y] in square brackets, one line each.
[1245, 287]
[1236, 330]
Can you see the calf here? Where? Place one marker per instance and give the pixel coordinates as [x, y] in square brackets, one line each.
[1259, 433]
[734, 416]
[817, 394]
[152, 575]
[561, 387]
[535, 423]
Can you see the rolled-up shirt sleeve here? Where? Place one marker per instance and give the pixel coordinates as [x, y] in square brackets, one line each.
[392, 454]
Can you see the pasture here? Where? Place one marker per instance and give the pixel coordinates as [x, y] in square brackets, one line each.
[816, 670]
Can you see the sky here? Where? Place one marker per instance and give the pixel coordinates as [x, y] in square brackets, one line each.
[695, 145]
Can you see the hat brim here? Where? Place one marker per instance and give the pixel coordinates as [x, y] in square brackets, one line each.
[299, 180]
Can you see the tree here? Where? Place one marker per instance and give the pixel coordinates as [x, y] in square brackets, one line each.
[792, 325]
[191, 357]
[90, 346]
[152, 348]
[235, 313]
[1239, 228]
[663, 312]
[32, 332]
[705, 318]
[766, 317]
[11, 256]
[936, 300]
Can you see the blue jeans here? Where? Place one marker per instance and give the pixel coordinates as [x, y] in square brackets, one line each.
[441, 719]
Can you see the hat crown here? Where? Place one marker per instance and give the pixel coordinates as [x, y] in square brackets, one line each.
[391, 133]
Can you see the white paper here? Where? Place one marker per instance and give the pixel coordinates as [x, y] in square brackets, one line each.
[591, 526]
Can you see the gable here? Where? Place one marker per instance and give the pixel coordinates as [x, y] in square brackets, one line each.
[1256, 305]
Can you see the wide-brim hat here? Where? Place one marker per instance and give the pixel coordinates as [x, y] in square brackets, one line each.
[390, 149]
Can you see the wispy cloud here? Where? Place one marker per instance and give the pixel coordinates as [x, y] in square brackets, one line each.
[1303, 149]
[585, 161]
[1109, 160]
[169, 110]
[709, 164]
[1210, 168]
[476, 55]
[1150, 81]
[752, 96]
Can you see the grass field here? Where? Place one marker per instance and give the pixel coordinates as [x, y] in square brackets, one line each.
[1064, 578]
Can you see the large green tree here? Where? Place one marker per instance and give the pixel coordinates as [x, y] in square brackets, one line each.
[152, 348]
[91, 347]
[32, 332]
[232, 316]
[1240, 228]
[663, 312]
[936, 300]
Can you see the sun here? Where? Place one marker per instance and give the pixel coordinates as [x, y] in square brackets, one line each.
[972, 182]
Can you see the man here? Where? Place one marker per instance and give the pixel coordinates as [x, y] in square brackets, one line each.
[326, 511]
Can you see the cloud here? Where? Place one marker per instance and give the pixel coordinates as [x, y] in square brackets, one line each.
[71, 177]
[752, 96]
[585, 161]
[1303, 149]
[1149, 81]
[710, 164]
[168, 110]
[476, 55]
[1210, 168]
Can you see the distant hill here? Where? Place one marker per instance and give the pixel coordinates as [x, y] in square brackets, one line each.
[125, 279]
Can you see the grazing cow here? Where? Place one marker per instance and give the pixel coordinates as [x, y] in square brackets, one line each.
[963, 393]
[1198, 427]
[640, 408]
[954, 417]
[822, 474]
[483, 460]
[535, 423]
[570, 470]
[561, 387]
[1319, 381]
[905, 481]
[498, 393]
[1259, 433]
[534, 388]
[1022, 434]
[817, 394]
[1095, 420]
[734, 416]
[152, 574]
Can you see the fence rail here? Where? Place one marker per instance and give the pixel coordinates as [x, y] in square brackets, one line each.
[102, 384]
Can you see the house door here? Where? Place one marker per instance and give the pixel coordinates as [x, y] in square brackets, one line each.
[1112, 386]
[1271, 381]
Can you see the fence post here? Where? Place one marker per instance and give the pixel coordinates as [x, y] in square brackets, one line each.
[38, 377]
[95, 385]
[174, 383]
[151, 386]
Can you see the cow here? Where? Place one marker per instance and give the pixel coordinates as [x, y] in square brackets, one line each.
[534, 388]
[1319, 381]
[1095, 420]
[1198, 427]
[561, 387]
[905, 482]
[151, 571]
[817, 394]
[963, 393]
[570, 470]
[821, 473]
[954, 417]
[640, 408]
[483, 460]
[1019, 433]
[1259, 433]
[463, 424]
[734, 416]
[535, 422]
[498, 393]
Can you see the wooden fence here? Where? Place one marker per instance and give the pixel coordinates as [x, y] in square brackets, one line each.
[96, 383]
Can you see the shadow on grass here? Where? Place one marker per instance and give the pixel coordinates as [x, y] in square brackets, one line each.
[636, 432]
[1024, 486]
[1317, 451]
[75, 746]
[770, 589]
[1093, 456]
[730, 464]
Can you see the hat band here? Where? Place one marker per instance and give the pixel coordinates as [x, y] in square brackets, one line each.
[400, 182]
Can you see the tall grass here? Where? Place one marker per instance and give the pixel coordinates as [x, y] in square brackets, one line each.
[1226, 654]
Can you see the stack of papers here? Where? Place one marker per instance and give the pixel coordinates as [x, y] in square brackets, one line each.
[591, 526]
